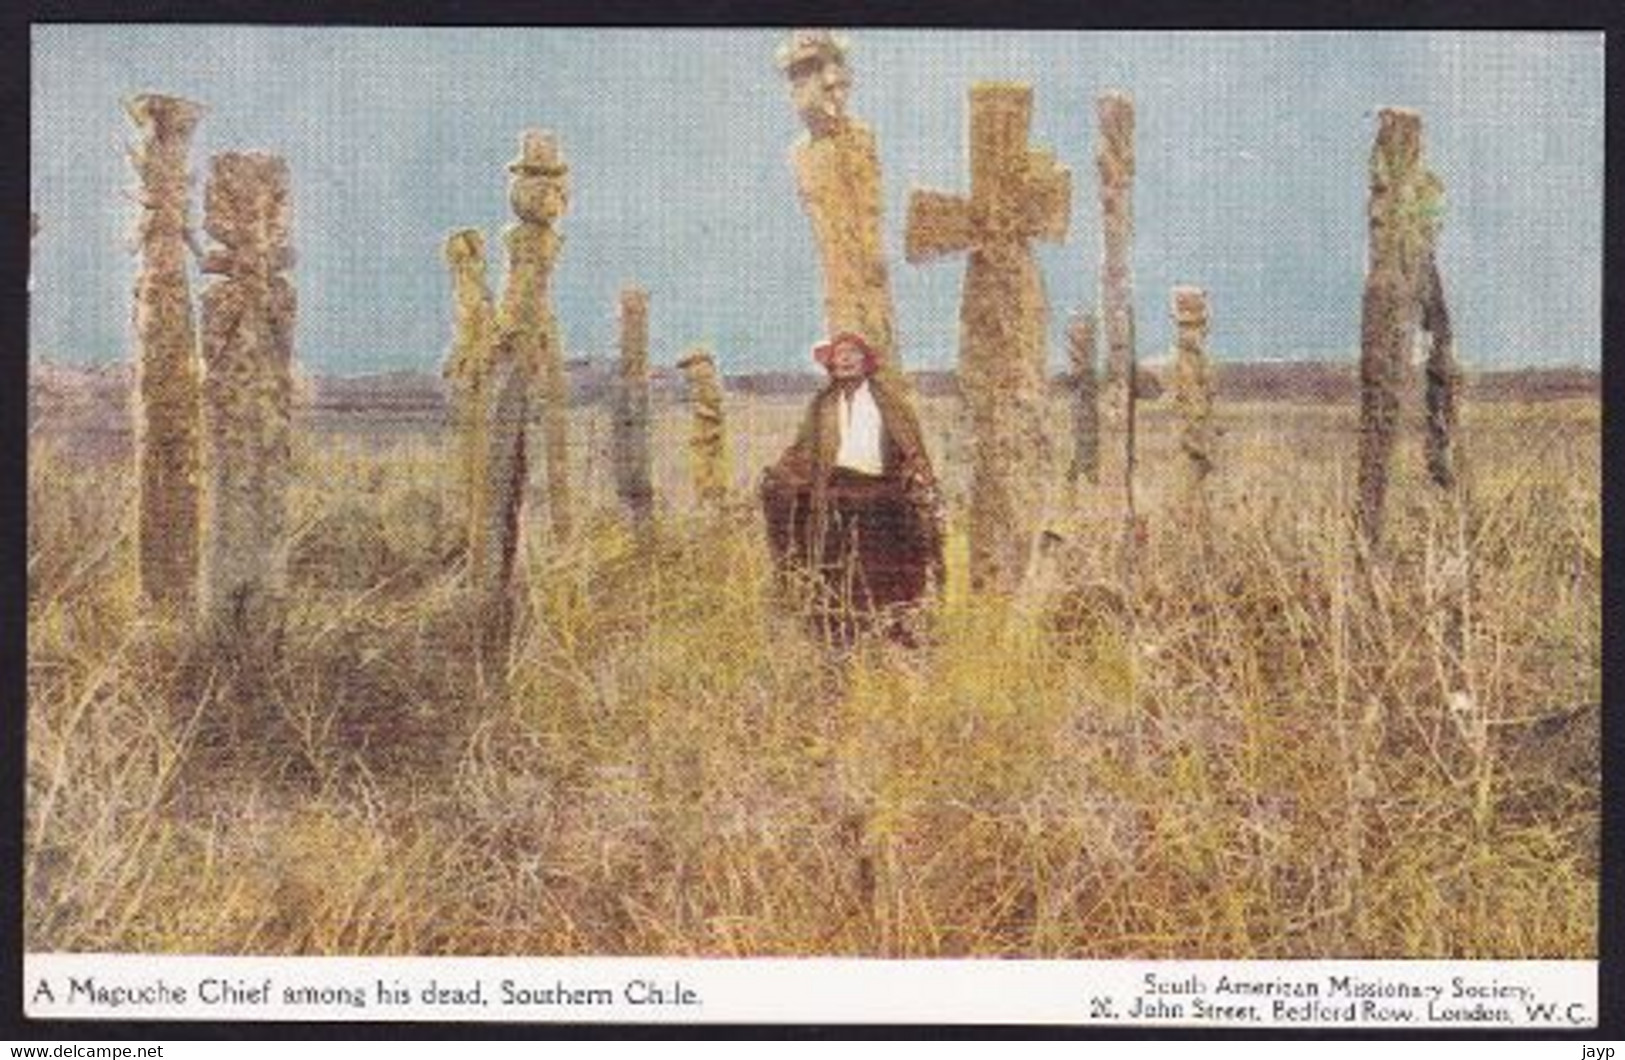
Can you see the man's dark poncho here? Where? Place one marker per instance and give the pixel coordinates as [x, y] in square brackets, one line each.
[865, 545]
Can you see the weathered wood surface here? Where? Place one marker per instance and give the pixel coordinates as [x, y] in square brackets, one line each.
[837, 168]
[1018, 194]
[1193, 396]
[1403, 293]
[468, 372]
[167, 422]
[634, 483]
[707, 439]
[1085, 390]
[249, 310]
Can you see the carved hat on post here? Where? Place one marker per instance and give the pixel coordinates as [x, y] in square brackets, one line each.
[695, 358]
[539, 155]
[806, 45]
[538, 191]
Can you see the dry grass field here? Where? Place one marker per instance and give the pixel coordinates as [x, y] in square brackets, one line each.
[1261, 749]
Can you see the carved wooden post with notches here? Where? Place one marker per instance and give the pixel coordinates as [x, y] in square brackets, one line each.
[167, 355]
[248, 319]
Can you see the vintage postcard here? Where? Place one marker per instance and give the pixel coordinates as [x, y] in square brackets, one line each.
[814, 525]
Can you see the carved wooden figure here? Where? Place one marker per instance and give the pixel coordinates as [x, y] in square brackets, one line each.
[1444, 381]
[1403, 295]
[468, 371]
[539, 193]
[707, 441]
[166, 360]
[525, 347]
[249, 309]
[838, 175]
[1193, 393]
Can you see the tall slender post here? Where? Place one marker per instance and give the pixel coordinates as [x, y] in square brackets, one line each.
[1403, 216]
[1080, 344]
[539, 194]
[468, 371]
[1114, 157]
[167, 409]
[1443, 383]
[525, 332]
[555, 397]
[1193, 396]
[837, 171]
[707, 440]
[249, 310]
[633, 480]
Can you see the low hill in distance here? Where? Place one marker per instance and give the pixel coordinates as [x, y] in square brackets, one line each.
[94, 400]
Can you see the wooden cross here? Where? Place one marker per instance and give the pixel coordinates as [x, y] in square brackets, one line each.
[1017, 194]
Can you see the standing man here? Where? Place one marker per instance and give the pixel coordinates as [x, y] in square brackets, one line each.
[854, 499]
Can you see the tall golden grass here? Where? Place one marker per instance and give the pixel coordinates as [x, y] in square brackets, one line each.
[672, 764]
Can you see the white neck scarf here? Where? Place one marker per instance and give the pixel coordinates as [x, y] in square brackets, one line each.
[858, 419]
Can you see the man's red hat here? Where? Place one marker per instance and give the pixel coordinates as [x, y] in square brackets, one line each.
[824, 351]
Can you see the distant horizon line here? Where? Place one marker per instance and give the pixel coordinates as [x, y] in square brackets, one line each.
[589, 358]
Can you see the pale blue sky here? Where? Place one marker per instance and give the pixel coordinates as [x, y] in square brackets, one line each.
[1251, 154]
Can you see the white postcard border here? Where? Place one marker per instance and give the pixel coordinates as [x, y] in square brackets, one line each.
[1553, 995]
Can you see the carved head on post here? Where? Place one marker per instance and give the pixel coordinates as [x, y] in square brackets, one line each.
[538, 190]
[166, 116]
[465, 255]
[814, 60]
[1189, 305]
[697, 365]
[464, 247]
